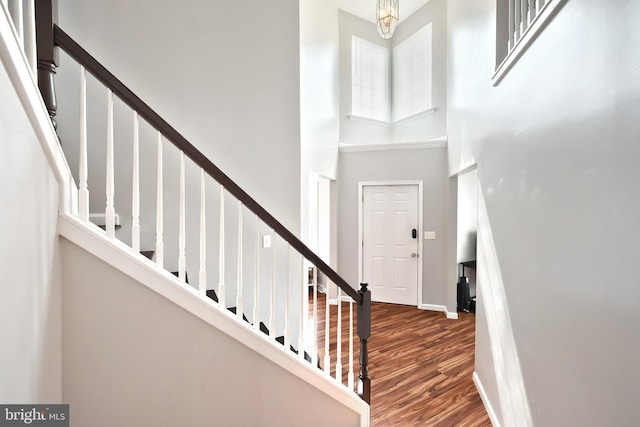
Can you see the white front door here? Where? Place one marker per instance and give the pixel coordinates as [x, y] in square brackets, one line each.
[390, 256]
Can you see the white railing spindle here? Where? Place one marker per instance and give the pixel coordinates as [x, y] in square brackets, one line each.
[304, 311]
[159, 208]
[135, 191]
[256, 285]
[272, 299]
[512, 25]
[221, 260]
[287, 337]
[314, 348]
[350, 376]
[110, 211]
[83, 175]
[182, 259]
[327, 332]
[239, 298]
[202, 276]
[339, 339]
[524, 10]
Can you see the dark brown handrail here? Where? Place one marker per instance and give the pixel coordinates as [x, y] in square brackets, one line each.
[76, 51]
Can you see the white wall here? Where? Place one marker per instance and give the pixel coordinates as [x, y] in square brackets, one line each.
[30, 312]
[423, 129]
[133, 357]
[556, 148]
[319, 95]
[422, 164]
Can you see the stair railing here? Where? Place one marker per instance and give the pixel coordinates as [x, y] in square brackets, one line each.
[264, 320]
[22, 14]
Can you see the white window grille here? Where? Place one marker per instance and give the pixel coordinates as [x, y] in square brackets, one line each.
[412, 74]
[369, 80]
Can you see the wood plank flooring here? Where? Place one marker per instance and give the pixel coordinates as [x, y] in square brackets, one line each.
[421, 366]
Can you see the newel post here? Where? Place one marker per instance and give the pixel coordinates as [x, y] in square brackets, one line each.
[364, 333]
[46, 17]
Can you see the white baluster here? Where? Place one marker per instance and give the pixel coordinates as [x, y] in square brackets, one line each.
[221, 272]
[272, 303]
[239, 298]
[287, 338]
[30, 48]
[256, 285]
[327, 320]
[518, 20]
[314, 348]
[182, 259]
[16, 11]
[304, 310]
[83, 175]
[159, 208]
[135, 191]
[202, 277]
[350, 376]
[339, 339]
[110, 211]
[524, 10]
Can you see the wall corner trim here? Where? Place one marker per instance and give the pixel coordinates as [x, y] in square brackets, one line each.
[441, 308]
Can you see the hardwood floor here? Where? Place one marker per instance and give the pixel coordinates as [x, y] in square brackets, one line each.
[421, 366]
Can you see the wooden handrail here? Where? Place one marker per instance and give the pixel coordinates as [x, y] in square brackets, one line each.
[76, 51]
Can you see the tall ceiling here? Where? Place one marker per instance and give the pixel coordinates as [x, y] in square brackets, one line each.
[366, 9]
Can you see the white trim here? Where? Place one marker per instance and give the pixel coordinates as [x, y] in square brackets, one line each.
[367, 120]
[433, 143]
[144, 271]
[402, 121]
[485, 400]
[415, 116]
[361, 186]
[550, 8]
[441, 308]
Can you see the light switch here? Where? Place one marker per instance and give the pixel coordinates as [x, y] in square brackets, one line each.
[266, 241]
[429, 235]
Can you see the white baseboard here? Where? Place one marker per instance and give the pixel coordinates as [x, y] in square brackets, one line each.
[485, 400]
[441, 308]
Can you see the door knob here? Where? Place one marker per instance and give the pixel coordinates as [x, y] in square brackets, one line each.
[413, 255]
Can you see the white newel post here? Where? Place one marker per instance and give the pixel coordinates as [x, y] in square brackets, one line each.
[202, 276]
[110, 211]
[135, 190]
[159, 208]
[83, 174]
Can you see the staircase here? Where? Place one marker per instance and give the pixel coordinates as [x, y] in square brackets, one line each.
[258, 303]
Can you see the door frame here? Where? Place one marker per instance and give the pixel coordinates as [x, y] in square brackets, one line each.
[361, 186]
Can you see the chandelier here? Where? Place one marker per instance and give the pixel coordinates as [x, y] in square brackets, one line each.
[387, 15]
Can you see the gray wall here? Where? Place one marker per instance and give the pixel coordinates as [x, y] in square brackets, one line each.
[30, 312]
[132, 357]
[556, 143]
[422, 129]
[424, 164]
[224, 74]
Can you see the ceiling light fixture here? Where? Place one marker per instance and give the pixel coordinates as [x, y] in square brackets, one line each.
[387, 16]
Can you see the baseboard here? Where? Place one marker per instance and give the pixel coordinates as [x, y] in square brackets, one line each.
[441, 308]
[485, 400]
